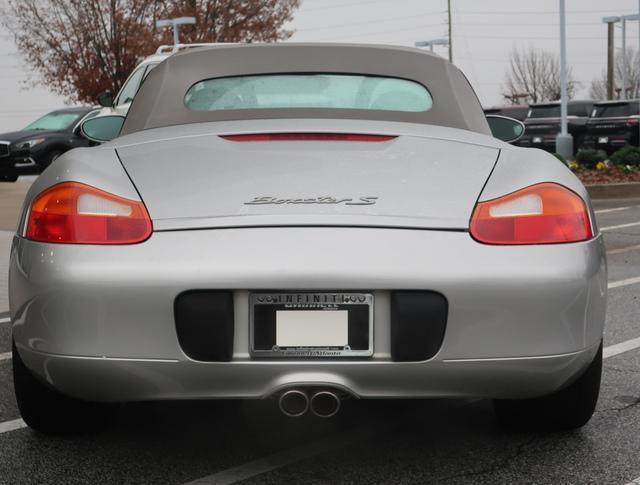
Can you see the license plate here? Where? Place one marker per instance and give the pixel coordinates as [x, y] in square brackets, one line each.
[537, 139]
[603, 139]
[311, 324]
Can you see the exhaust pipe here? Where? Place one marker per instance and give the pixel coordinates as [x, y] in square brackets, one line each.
[293, 403]
[325, 404]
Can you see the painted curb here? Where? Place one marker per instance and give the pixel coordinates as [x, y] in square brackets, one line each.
[627, 190]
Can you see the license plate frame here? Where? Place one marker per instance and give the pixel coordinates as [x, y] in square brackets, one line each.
[263, 307]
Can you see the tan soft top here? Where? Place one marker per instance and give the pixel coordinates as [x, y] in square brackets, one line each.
[160, 101]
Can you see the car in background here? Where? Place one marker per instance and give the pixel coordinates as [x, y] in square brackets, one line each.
[613, 124]
[31, 150]
[543, 124]
[121, 103]
[515, 111]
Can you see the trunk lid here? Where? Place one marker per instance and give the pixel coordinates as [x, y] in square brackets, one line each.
[412, 181]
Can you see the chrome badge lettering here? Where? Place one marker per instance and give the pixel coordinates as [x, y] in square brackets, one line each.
[313, 200]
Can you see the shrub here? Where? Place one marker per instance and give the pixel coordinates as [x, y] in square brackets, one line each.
[628, 155]
[589, 157]
[561, 158]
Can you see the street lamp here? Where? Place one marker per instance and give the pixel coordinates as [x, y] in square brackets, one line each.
[176, 23]
[431, 43]
[564, 141]
[610, 21]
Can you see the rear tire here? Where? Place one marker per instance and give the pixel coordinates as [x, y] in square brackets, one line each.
[569, 408]
[8, 178]
[49, 412]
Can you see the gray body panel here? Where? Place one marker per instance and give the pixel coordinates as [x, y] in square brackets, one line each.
[97, 322]
[528, 302]
[417, 180]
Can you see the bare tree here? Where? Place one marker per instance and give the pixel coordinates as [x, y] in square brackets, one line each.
[80, 48]
[534, 76]
[598, 89]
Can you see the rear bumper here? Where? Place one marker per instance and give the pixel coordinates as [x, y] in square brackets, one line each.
[97, 322]
[122, 380]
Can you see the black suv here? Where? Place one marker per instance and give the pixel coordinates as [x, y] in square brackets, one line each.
[542, 125]
[613, 124]
[32, 149]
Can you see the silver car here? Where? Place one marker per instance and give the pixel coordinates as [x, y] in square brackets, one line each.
[308, 223]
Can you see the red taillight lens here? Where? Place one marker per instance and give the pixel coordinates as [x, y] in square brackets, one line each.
[307, 137]
[75, 213]
[545, 213]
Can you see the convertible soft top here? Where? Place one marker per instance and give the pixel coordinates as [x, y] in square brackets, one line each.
[160, 101]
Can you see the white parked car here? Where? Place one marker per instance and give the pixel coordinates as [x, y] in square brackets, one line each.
[121, 103]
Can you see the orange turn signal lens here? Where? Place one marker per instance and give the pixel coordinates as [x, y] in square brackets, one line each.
[545, 213]
[75, 213]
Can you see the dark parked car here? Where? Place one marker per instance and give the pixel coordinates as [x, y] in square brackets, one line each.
[613, 124]
[543, 124]
[517, 112]
[31, 150]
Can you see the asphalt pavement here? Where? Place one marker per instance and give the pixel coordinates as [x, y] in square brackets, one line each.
[372, 442]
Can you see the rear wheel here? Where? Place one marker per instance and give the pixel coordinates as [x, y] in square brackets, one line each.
[8, 178]
[49, 412]
[569, 408]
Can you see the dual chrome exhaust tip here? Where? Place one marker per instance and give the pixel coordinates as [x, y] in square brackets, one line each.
[295, 403]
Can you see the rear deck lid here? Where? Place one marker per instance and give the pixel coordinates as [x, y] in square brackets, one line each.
[208, 181]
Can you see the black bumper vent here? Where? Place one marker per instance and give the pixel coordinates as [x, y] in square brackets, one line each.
[418, 322]
[204, 323]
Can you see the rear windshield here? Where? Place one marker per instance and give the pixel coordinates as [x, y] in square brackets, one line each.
[544, 112]
[553, 111]
[341, 91]
[55, 121]
[614, 110]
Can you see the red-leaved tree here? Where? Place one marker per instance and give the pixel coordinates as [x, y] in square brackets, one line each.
[79, 48]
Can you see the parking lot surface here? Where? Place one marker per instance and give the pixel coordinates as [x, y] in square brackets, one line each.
[437, 441]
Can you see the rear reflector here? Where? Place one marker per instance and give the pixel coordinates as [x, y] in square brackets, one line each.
[75, 213]
[545, 213]
[307, 137]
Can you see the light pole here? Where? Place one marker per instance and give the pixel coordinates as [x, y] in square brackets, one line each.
[176, 23]
[431, 43]
[611, 54]
[623, 94]
[564, 141]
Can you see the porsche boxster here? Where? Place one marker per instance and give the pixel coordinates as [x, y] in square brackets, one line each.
[307, 223]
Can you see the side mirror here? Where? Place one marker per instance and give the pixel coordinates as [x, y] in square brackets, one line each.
[504, 128]
[102, 128]
[105, 99]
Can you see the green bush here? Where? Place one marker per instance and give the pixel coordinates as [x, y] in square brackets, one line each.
[628, 155]
[589, 157]
[561, 158]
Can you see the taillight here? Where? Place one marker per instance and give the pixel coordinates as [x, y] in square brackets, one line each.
[76, 213]
[545, 213]
[307, 137]
[632, 122]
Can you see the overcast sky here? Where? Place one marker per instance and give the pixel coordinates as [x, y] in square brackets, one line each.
[484, 32]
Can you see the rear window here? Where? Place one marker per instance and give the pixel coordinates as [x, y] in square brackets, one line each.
[614, 110]
[333, 91]
[544, 112]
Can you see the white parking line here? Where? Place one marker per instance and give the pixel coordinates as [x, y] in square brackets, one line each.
[12, 425]
[620, 348]
[615, 209]
[627, 282]
[284, 458]
[5, 320]
[620, 226]
[624, 250]
[5, 356]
